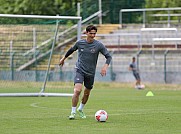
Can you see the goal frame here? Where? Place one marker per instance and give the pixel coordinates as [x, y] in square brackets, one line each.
[42, 92]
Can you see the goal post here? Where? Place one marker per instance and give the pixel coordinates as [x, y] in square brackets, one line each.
[27, 41]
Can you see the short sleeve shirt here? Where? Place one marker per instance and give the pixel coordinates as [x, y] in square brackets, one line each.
[88, 55]
[133, 66]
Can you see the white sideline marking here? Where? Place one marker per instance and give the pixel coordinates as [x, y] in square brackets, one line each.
[36, 105]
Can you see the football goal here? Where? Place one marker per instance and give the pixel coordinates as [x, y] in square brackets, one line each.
[30, 49]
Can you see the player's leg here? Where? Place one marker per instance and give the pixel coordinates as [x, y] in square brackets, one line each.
[78, 80]
[136, 83]
[85, 98]
[77, 91]
[88, 82]
[137, 77]
[140, 86]
[75, 99]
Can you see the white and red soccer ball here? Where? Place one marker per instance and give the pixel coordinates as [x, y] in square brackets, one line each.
[101, 116]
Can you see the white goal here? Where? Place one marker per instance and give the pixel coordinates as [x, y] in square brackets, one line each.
[30, 50]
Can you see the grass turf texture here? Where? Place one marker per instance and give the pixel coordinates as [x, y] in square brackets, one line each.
[130, 111]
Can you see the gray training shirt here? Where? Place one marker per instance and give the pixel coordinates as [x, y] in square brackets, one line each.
[133, 66]
[88, 55]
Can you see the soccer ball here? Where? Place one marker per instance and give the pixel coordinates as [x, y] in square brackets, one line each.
[101, 116]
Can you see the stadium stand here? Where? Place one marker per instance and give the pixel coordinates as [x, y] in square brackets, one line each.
[123, 49]
[123, 43]
[42, 65]
[16, 40]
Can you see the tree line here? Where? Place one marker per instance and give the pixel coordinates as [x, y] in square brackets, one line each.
[38, 7]
[69, 7]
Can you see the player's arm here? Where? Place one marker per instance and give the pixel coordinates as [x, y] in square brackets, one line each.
[104, 69]
[130, 67]
[106, 65]
[69, 52]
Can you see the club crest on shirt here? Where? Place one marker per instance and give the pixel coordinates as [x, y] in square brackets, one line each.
[93, 50]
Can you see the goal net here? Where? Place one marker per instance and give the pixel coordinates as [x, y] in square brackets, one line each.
[30, 49]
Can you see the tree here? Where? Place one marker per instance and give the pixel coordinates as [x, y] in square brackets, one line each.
[38, 7]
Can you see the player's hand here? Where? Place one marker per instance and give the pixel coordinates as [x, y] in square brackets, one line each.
[61, 63]
[104, 70]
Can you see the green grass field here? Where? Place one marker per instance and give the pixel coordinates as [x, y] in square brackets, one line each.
[130, 112]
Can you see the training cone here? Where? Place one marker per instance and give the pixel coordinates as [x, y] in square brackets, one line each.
[150, 93]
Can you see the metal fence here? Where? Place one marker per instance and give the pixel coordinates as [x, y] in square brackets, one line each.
[146, 11]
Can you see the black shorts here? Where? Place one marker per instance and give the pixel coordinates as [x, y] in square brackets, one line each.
[137, 76]
[81, 77]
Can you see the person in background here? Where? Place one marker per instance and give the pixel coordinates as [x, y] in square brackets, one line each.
[134, 69]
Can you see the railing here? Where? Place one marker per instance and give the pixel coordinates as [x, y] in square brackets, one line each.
[65, 40]
[146, 10]
[160, 39]
[114, 39]
[48, 43]
[61, 34]
[163, 39]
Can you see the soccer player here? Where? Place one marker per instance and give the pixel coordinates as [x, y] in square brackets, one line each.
[88, 52]
[134, 69]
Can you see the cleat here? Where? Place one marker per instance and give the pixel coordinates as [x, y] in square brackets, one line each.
[139, 87]
[81, 114]
[72, 116]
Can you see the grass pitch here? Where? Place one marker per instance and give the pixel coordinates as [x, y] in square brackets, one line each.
[130, 111]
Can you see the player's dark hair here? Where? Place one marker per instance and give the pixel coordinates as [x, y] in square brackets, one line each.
[91, 27]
